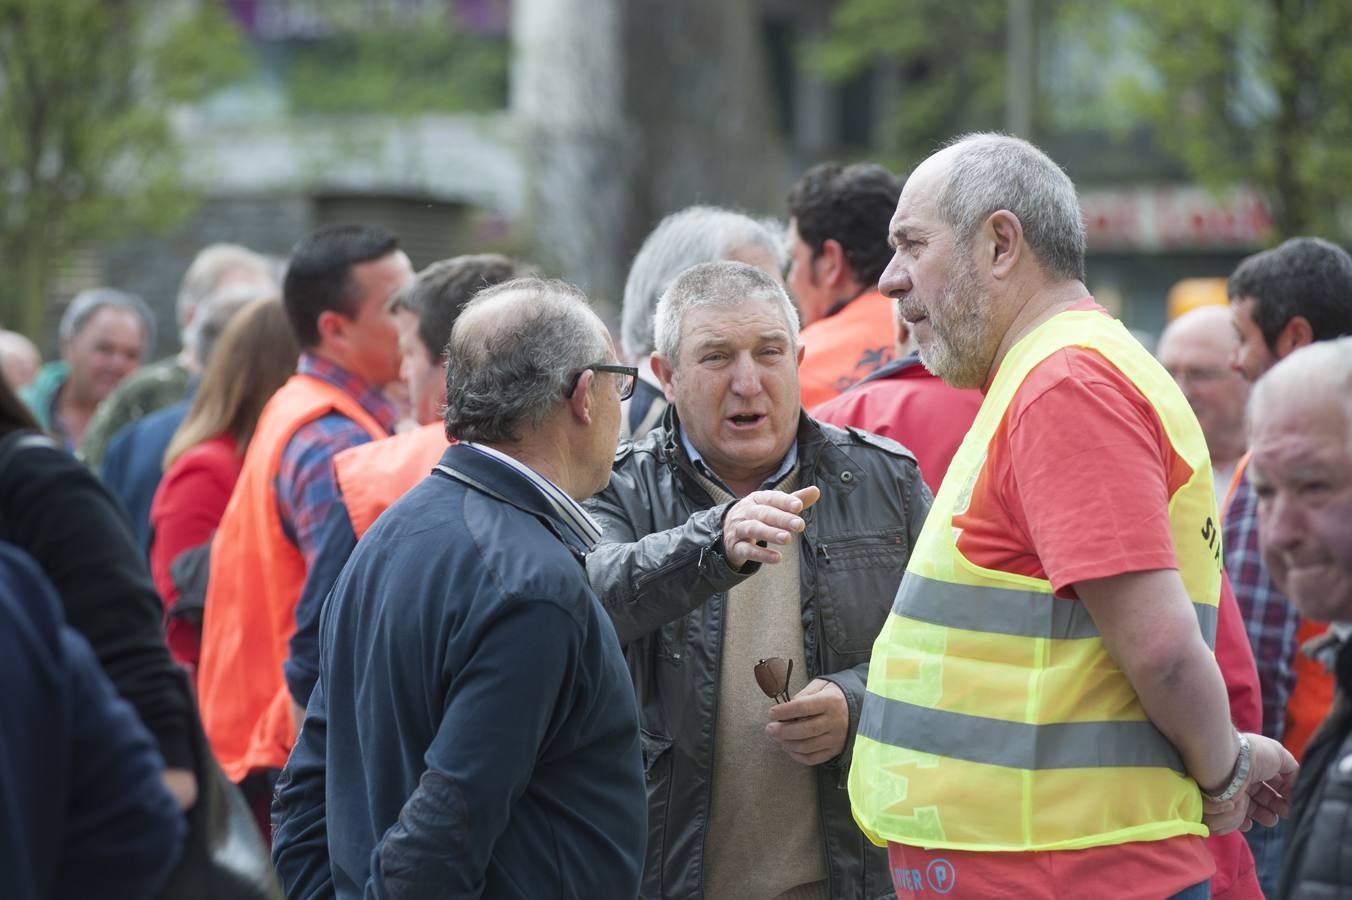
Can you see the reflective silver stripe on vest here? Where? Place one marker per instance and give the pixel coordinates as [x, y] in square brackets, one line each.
[1008, 610]
[1016, 745]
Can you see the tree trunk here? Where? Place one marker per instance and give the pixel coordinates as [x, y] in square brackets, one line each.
[567, 75]
[698, 93]
[25, 308]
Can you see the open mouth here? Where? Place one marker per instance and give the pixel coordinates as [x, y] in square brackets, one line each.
[746, 420]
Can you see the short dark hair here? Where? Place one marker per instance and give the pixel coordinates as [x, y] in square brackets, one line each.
[851, 205]
[442, 289]
[319, 274]
[1303, 276]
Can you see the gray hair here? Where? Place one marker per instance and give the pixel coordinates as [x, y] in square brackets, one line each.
[88, 302]
[514, 352]
[210, 268]
[716, 285]
[991, 172]
[215, 314]
[697, 234]
[1323, 363]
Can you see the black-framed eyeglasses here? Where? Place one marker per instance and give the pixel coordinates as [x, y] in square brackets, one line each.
[628, 375]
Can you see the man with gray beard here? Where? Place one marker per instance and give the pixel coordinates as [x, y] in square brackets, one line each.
[1043, 716]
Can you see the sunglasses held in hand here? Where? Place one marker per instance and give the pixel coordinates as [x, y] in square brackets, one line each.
[773, 677]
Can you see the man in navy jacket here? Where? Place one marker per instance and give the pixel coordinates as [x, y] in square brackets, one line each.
[474, 730]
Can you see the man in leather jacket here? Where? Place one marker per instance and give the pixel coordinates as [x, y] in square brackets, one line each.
[741, 529]
[1300, 434]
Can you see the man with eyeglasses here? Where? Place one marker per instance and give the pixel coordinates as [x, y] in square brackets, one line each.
[1196, 348]
[473, 729]
[741, 530]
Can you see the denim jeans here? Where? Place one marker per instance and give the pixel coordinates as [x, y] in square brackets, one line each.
[1267, 845]
[1199, 891]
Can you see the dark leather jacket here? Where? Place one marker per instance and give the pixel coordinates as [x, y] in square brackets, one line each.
[1317, 864]
[661, 575]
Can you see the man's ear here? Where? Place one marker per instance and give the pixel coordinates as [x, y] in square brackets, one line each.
[580, 400]
[332, 326]
[1295, 334]
[799, 355]
[664, 371]
[1004, 231]
[835, 265]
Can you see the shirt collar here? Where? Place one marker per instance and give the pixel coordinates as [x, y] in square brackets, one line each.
[568, 510]
[369, 397]
[790, 460]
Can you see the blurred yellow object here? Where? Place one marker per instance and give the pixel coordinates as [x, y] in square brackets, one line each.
[1190, 293]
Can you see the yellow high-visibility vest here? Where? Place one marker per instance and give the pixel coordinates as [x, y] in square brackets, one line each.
[995, 719]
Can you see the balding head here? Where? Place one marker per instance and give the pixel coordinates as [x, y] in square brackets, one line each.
[1196, 349]
[1301, 435]
[514, 351]
[980, 174]
[19, 359]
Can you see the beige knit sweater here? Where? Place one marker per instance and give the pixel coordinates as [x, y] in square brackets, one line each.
[764, 836]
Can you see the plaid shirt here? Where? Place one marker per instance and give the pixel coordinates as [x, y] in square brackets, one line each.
[305, 484]
[1270, 618]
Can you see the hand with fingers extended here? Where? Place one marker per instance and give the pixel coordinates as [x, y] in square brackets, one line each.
[1265, 796]
[813, 726]
[763, 518]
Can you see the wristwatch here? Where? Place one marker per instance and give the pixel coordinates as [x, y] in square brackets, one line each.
[1240, 775]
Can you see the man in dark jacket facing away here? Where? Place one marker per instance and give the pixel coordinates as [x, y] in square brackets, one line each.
[473, 731]
[1300, 434]
[741, 529]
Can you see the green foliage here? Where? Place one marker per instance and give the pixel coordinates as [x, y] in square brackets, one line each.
[1255, 91]
[924, 39]
[1239, 91]
[393, 64]
[85, 146]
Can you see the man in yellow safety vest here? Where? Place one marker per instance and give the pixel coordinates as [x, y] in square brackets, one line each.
[1044, 717]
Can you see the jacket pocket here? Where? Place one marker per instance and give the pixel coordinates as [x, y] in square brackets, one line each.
[657, 754]
[857, 580]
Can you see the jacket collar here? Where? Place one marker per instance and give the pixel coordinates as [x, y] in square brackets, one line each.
[509, 486]
[892, 369]
[818, 457]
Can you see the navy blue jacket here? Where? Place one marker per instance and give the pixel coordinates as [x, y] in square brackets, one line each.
[83, 811]
[133, 464]
[474, 730]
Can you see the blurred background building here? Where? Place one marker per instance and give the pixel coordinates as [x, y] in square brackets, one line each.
[563, 130]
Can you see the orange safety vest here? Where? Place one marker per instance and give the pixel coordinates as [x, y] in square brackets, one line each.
[841, 349]
[374, 475]
[1311, 695]
[256, 578]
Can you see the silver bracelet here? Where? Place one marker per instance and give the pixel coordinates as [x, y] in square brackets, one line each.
[1239, 777]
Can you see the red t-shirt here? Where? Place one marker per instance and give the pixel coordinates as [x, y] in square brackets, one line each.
[1077, 485]
[188, 506]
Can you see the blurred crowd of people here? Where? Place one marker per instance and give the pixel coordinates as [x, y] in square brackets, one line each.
[871, 557]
